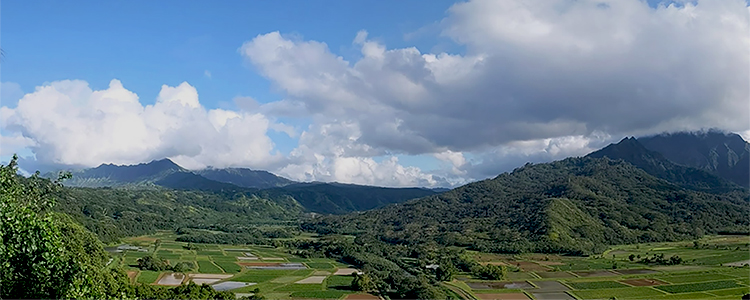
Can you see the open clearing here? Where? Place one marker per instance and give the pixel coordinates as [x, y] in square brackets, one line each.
[549, 286]
[738, 263]
[171, 279]
[361, 297]
[231, 285]
[530, 266]
[632, 292]
[636, 271]
[593, 285]
[698, 287]
[207, 278]
[643, 282]
[550, 263]
[312, 279]
[507, 296]
[554, 274]
[132, 275]
[346, 271]
[600, 273]
[273, 270]
[490, 285]
[552, 296]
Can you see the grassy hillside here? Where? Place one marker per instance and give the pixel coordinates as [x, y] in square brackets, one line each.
[573, 206]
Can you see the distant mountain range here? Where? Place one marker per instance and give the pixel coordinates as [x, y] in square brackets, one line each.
[316, 197]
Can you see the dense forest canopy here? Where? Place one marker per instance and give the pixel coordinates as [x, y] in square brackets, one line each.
[573, 206]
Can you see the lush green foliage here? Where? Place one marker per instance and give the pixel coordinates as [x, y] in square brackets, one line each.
[47, 255]
[151, 263]
[116, 213]
[573, 206]
[245, 177]
[336, 198]
[490, 272]
[698, 287]
[35, 259]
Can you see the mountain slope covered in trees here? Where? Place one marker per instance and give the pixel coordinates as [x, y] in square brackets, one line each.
[313, 197]
[573, 206]
[110, 175]
[336, 198]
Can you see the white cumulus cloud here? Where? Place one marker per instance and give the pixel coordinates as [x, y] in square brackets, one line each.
[68, 123]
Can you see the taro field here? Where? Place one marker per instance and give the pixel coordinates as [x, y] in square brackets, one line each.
[711, 268]
[243, 269]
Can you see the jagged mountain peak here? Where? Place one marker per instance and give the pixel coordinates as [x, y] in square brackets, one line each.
[654, 163]
[724, 154]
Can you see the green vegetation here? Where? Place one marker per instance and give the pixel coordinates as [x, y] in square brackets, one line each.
[228, 266]
[205, 266]
[574, 206]
[618, 293]
[47, 255]
[339, 282]
[695, 278]
[151, 263]
[316, 265]
[528, 227]
[330, 294]
[148, 277]
[336, 198]
[490, 272]
[595, 285]
[699, 286]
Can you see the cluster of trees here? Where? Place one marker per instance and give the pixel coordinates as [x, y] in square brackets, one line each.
[46, 255]
[490, 272]
[658, 259]
[224, 238]
[577, 206]
[151, 263]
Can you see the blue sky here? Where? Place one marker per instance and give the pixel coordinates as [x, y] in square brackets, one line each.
[491, 85]
[149, 43]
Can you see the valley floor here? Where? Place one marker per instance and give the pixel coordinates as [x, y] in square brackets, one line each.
[241, 269]
[712, 268]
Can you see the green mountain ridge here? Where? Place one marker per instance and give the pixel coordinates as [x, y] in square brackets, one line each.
[336, 198]
[572, 206]
[245, 177]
